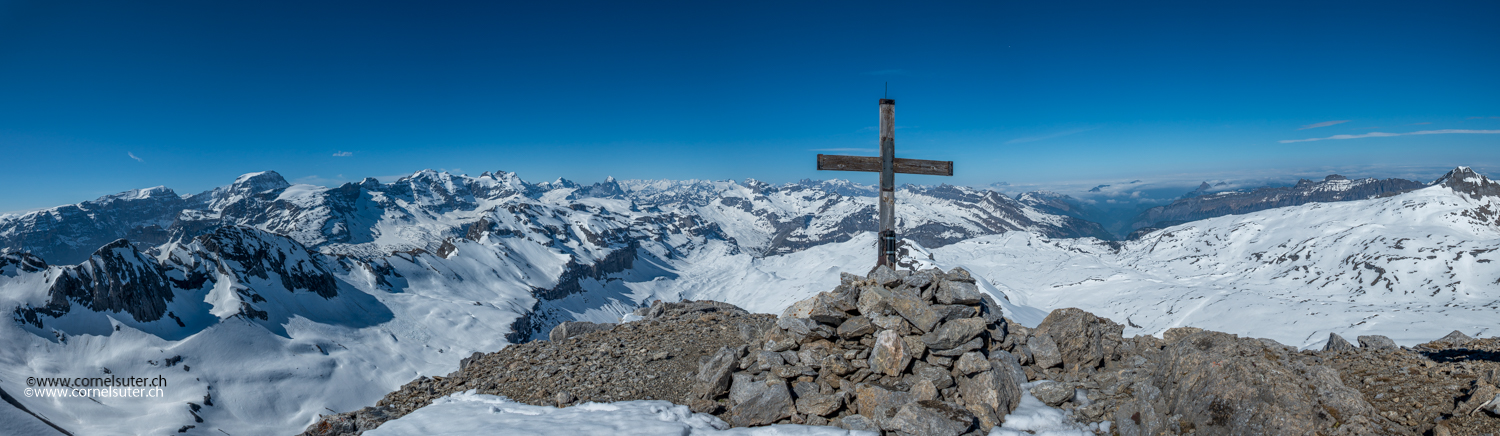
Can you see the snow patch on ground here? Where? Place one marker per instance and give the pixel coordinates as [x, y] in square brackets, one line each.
[469, 413]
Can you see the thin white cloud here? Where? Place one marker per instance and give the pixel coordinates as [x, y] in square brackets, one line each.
[343, 154]
[1046, 137]
[849, 150]
[1384, 134]
[132, 156]
[1323, 124]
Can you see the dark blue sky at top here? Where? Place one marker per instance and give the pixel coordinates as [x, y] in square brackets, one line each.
[325, 92]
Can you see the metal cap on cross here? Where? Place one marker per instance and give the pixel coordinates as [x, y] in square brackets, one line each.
[887, 165]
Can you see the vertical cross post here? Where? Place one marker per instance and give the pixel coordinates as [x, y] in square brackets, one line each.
[887, 249]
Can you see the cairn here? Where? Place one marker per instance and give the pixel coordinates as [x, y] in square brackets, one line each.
[908, 352]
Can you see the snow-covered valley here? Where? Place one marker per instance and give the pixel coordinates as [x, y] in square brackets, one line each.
[265, 304]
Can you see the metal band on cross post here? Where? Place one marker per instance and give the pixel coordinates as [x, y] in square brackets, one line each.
[887, 165]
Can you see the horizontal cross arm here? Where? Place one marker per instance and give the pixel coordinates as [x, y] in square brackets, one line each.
[872, 164]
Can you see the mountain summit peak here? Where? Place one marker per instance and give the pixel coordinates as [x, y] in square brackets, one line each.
[1463, 179]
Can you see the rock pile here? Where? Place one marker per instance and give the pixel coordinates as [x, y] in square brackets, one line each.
[906, 352]
[926, 353]
[651, 359]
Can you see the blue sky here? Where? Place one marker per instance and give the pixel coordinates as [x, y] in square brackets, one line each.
[101, 97]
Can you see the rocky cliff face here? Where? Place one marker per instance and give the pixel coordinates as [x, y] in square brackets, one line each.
[1199, 204]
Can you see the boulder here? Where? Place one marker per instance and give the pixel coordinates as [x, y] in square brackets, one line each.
[1053, 393]
[858, 423]
[889, 356]
[957, 292]
[970, 363]
[989, 396]
[821, 405]
[909, 304]
[1456, 338]
[1044, 350]
[856, 327]
[930, 417]
[883, 275]
[959, 274]
[571, 329]
[874, 401]
[954, 333]
[825, 308]
[759, 402]
[1337, 343]
[874, 300]
[714, 374]
[1376, 342]
[1084, 340]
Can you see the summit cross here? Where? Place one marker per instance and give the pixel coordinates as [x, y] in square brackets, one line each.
[887, 165]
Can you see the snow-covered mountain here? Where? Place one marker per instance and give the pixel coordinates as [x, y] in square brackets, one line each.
[265, 303]
[1412, 266]
[1202, 203]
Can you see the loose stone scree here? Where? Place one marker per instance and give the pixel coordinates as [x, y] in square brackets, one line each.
[887, 165]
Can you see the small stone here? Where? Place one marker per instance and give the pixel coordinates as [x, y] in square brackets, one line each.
[765, 360]
[970, 363]
[836, 365]
[1376, 342]
[1053, 393]
[1337, 343]
[563, 398]
[939, 377]
[960, 274]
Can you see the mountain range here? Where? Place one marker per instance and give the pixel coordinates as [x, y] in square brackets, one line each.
[265, 302]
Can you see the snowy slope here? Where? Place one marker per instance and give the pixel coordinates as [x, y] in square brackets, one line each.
[1413, 267]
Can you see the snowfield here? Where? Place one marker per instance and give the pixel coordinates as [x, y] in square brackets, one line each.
[330, 298]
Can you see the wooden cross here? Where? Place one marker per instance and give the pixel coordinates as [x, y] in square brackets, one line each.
[887, 165]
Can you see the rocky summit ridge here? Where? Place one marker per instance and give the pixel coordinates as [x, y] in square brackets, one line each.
[926, 353]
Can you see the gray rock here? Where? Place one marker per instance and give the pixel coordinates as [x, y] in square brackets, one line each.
[825, 308]
[884, 275]
[889, 355]
[954, 333]
[919, 280]
[939, 377]
[874, 300]
[990, 310]
[855, 327]
[989, 396]
[951, 312]
[564, 398]
[973, 344]
[765, 360]
[1053, 393]
[779, 340]
[836, 365]
[660, 309]
[1337, 343]
[759, 402]
[931, 418]
[465, 362]
[1175, 334]
[714, 374]
[923, 389]
[957, 292]
[1005, 365]
[575, 328]
[821, 405]
[858, 423]
[1456, 338]
[1376, 342]
[1044, 350]
[1083, 340]
[970, 363]
[910, 305]
[875, 402]
[960, 274]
